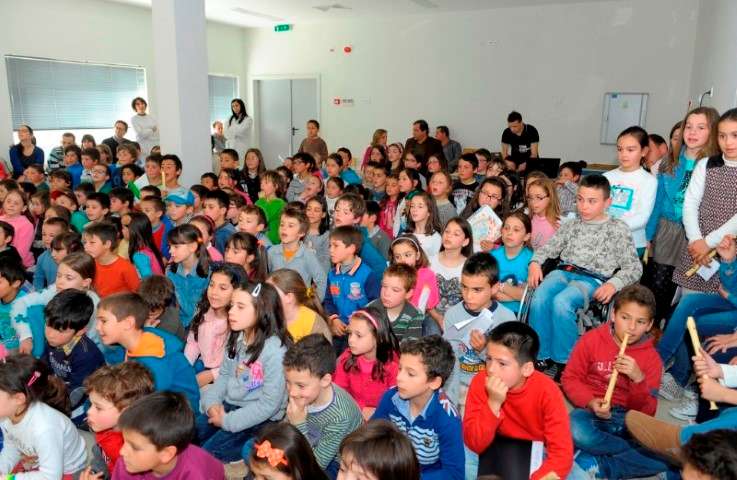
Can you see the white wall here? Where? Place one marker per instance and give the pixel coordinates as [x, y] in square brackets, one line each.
[552, 63]
[98, 31]
[716, 47]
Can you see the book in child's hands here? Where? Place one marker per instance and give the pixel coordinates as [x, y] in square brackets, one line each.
[485, 225]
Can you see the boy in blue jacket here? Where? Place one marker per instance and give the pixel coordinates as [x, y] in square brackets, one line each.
[71, 354]
[351, 283]
[120, 319]
[419, 408]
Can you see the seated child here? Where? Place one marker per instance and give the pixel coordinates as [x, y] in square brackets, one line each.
[157, 431]
[598, 258]
[111, 389]
[281, 451]
[303, 313]
[155, 209]
[569, 174]
[8, 253]
[351, 283]
[158, 293]
[381, 450]
[420, 409]
[378, 237]
[598, 429]
[292, 253]
[113, 274]
[179, 209]
[253, 220]
[12, 276]
[349, 210]
[321, 410]
[368, 367]
[513, 258]
[710, 456]
[468, 322]
[249, 392]
[39, 439]
[45, 273]
[120, 320]
[394, 305]
[318, 234]
[209, 330]
[215, 207]
[511, 399]
[70, 354]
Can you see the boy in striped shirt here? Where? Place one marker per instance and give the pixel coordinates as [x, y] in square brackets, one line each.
[322, 411]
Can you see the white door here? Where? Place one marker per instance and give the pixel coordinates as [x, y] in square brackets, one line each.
[284, 107]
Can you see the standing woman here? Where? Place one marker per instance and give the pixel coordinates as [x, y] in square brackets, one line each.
[25, 152]
[313, 144]
[238, 129]
[145, 126]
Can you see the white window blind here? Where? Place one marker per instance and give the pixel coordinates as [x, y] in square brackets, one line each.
[222, 90]
[61, 95]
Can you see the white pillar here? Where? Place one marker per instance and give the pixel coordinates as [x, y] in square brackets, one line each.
[180, 66]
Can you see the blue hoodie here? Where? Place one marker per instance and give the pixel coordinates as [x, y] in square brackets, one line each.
[162, 353]
[370, 255]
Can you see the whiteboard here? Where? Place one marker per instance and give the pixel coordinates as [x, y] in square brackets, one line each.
[621, 110]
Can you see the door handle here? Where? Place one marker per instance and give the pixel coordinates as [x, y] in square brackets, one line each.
[294, 130]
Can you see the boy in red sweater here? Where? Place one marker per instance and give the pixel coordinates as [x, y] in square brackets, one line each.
[598, 429]
[113, 274]
[511, 399]
[111, 390]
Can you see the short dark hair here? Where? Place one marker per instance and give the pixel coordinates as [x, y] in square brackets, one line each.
[638, 294]
[105, 231]
[599, 182]
[373, 208]
[122, 194]
[69, 308]
[57, 222]
[69, 241]
[443, 129]
[220, 196]
[138, 99]
[127, 304]
[482, 263]
[122, 122]
[164, 418]
[153, 190]
[422, 124]
[102, 198]
[35, 166]
[349, 235]
[12, 272]
[436, 354]
[518, 337]
[7, 229]
[470, 158]
[173, 158]
[313, 353]
[93, 153]
[157, 203]
[230, 152]
[211, 176]
[258, 211]
[314, 122]
[62, 175]
[382, 450]
[157, 291]
[75, 149]
[656, 139]
[713, 453]
[85, 187]
[514, 117]
[299, 215]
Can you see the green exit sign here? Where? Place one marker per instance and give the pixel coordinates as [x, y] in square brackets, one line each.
[284, 27]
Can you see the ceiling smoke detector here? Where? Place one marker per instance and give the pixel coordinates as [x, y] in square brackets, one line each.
[334, 6]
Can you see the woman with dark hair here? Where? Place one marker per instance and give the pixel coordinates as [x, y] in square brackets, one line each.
[238, 128]
[25, 152]
[145, 126]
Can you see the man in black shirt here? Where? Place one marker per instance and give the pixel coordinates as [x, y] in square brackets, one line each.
[121, 128]
[421, 145]
[519, 141]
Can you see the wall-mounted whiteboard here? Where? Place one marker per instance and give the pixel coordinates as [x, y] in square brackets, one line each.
[621, 110]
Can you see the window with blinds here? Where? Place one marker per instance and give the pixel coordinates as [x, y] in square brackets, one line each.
[222, 90]
[61, 95]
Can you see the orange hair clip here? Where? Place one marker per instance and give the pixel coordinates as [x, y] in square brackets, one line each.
[275, 456]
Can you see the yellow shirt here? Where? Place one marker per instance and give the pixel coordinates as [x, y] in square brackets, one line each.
[302, 325]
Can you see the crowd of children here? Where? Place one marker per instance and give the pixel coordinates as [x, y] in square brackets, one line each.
[408, 322]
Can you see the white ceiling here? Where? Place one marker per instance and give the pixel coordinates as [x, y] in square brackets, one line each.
[265, 13]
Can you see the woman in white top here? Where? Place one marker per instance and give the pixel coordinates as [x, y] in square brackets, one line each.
[238, 129]
[145, 125]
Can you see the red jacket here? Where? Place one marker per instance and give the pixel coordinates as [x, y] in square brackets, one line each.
[536, 411]
[110, 442]
[591, 364]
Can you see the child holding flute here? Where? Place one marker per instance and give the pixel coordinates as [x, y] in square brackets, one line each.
[619, 353]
